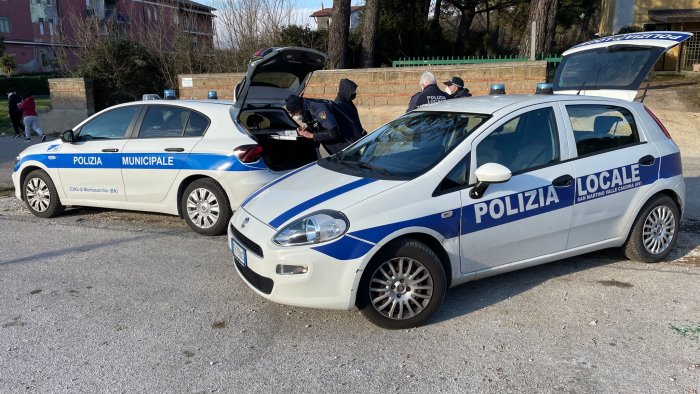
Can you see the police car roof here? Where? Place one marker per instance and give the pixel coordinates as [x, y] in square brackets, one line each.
[491, 104]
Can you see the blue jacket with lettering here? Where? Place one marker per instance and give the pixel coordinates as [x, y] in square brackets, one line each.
[321, 120]
[431, 94]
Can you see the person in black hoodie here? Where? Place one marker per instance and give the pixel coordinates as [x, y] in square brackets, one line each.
[348, 117]
[430, 93]
[15, 113]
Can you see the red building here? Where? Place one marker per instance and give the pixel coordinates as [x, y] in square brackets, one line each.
[36, 31]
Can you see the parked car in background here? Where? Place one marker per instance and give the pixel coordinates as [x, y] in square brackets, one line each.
[194, 158]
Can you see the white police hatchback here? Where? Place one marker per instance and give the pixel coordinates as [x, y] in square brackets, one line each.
[196, 159]
[470, 188]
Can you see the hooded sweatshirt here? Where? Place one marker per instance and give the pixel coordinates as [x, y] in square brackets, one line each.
[347, 117]
[28, 107]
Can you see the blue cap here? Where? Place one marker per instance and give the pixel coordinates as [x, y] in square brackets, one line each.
[212, 95]
[170, 94]
[497, 88]
[544, 88]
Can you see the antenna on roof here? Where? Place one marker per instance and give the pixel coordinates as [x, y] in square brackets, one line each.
[322, 7]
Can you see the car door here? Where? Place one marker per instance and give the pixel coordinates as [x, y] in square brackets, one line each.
[614, 168]
[529, 215]
[153, 159]
[91, 168]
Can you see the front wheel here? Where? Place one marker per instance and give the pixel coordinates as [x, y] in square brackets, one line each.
[205, 207]
[403, 286]
[655, 231]
[40, 195]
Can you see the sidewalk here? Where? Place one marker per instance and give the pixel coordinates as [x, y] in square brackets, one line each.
[9, 149]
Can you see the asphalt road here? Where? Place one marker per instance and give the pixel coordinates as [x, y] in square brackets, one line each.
[109, 301]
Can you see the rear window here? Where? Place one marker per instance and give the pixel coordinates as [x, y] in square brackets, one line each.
[600, 128]
[276, 80]
[622, 67]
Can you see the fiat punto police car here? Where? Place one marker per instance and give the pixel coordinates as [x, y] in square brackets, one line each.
[196, 159]
[470, 188]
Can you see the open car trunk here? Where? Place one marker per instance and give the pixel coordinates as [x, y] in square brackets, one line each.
[276, 133]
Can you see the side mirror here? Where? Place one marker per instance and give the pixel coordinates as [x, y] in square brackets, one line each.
[487, 174]
[68, 136]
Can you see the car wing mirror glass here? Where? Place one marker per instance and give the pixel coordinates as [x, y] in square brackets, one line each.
[68, 136]
[487, 174]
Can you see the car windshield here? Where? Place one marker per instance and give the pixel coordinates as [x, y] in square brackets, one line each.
[410, 145]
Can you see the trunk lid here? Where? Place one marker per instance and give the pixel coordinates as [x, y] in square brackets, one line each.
[614, 66]
[276, 74]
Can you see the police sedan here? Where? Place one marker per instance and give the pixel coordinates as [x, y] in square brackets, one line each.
[196, 159]
[470, 188]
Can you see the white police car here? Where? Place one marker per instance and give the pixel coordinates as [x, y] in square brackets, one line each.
[196, 159]
[470, 188]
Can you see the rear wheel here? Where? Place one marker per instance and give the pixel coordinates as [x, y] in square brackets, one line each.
[403, 286]
[655, 231]
[205, 207]
[40, 195]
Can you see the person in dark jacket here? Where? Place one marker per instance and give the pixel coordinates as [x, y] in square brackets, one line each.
[348, 116]
[455, 88]
[430, 93]
[13, 100]
[321, 124]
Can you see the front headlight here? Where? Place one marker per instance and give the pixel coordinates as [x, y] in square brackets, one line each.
[317, 227]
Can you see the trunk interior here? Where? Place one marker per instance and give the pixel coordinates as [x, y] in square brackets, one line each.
[275, 130]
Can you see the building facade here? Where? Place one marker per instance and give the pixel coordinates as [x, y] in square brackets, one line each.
[657, 15]
[37, 31]
[324, 16]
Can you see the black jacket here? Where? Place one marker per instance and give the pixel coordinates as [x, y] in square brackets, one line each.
[460, 92]
[431, 94]
[12, 102]
[321, 118]
[347, 117]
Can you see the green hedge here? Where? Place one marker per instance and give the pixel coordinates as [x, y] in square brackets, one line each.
[37, 85]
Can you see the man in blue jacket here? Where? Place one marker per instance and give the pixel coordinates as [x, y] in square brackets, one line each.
[15, 114]
[430, 93]
[321, 123]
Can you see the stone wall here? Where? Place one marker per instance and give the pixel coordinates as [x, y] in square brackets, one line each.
[383, 93]
[71, 102]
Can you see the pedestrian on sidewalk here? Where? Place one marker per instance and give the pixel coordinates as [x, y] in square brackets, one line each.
[13, 100]
[31, 119]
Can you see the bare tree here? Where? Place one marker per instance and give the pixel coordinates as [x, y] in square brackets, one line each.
[369, 32]
[544, 14]
[338, 35]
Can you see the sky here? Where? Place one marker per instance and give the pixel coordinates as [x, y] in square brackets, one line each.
[304, 9]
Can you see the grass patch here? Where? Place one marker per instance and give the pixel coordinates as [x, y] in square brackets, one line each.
[692, 332]
[42, 103]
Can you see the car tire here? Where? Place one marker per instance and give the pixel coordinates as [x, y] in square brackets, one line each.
[205, 207]
[40, 195]
[655, 231]
[403, 286]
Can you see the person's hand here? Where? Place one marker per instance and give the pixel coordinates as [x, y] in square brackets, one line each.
[305, 133]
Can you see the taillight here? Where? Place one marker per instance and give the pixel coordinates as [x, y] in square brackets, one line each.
[658, 122]
[248, 153]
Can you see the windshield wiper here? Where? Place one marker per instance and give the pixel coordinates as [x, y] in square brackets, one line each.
[373, 168]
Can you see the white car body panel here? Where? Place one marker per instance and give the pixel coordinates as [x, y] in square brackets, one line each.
[380, 211]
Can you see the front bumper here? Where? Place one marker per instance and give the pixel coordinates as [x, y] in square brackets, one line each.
[15, 181]
[328, 284]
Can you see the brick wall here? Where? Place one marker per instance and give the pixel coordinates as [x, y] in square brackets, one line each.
[383, 93]
[71, 102]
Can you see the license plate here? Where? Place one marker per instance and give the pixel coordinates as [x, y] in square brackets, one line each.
[239, 253]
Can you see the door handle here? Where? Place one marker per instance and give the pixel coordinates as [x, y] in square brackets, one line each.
[647, 160]
[563, 181]
[110, 150]
[174, 149]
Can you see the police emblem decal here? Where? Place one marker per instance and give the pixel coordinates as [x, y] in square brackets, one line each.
[322, 115]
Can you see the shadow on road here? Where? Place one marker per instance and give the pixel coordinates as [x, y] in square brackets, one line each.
[74, 249]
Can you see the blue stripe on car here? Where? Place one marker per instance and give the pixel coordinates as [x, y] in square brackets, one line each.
[143, 161]
[281, 219]
[506, 209]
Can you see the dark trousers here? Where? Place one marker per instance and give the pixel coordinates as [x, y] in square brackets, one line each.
[17, 123]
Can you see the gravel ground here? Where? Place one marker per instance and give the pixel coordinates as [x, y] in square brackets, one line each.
[109, 301]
